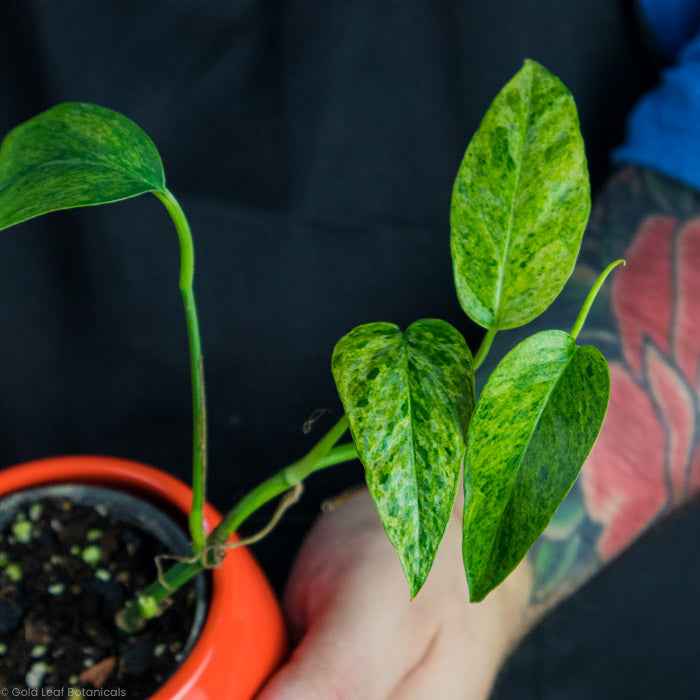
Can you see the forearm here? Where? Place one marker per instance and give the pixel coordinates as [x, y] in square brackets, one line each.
[647, 459]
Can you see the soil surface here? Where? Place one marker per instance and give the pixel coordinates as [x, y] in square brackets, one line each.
[65, 570]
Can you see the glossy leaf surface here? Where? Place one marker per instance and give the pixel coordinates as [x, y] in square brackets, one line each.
[536, 421]
[74, 155]
[409, 397]
[520, 202]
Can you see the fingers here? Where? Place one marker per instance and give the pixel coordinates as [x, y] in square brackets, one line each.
[351, 649]
[451, 669]
[362, 636]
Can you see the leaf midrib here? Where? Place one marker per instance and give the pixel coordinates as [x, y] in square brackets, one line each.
[524, 452]
[511, 214]
[414, 472]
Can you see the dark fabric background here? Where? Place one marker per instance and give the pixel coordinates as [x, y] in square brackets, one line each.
[313, 146]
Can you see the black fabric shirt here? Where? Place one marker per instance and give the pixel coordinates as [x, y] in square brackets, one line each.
[313, 147]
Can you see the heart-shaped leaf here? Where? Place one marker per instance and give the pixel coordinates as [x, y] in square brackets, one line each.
[520, 202]
[74, 155]
[409, 397]
[536, 421]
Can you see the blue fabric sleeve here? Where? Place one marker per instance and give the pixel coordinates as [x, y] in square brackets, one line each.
[663, 129]
[673, 22]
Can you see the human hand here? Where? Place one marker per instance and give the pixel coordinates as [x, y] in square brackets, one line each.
[359, 634]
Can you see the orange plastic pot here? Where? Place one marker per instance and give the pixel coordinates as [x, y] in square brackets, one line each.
[243, 639]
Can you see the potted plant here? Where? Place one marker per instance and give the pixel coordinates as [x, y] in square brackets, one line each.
[519, 208]
[239, 642]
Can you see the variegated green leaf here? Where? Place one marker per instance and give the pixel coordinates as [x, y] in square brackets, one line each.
[409, 397]
[74, 155]
[520, 202]
[536, 421]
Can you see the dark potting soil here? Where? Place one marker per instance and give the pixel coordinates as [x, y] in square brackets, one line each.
[65, 570]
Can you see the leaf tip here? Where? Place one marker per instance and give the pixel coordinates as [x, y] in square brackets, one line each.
[478, 589]
[529, 64]
[532, 64]
[415, 582]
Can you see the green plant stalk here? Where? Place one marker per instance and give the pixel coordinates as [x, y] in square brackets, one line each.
[588, 303]
[484, 347]
[576, 329]
[261, 495]
[323, 455]
[282, 481]
[199, 416]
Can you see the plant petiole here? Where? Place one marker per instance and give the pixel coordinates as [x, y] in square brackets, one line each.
[324, 454]
[199, 416]
[319, 457]
[339, 454]
[583, 314]
[484, 347]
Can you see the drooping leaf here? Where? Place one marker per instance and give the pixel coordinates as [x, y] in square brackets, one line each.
[536, 421]
[409, 397]
[74, 155]
[520, 202]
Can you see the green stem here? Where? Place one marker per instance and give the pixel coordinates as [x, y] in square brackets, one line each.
[484, 347]
[583, 314]
[284, 480]
[323, 455]
[147, 603]
[338, 455]
[199, 418]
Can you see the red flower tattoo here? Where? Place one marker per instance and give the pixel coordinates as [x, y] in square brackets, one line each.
[647, 458]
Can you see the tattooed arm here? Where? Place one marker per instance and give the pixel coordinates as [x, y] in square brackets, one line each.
[647, 459]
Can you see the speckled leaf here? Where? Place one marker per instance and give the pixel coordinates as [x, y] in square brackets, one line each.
[409, 397]
[536, 421]
[74, 155]
[520, 202]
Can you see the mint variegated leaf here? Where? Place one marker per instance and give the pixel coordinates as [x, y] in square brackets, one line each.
[74, 155]
[409, 397]
[536, 421]
[520, 202]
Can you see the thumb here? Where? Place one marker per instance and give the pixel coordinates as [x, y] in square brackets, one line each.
[319, 669]
[351, 649]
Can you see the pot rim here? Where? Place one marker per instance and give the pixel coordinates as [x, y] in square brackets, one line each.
[127, 508]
